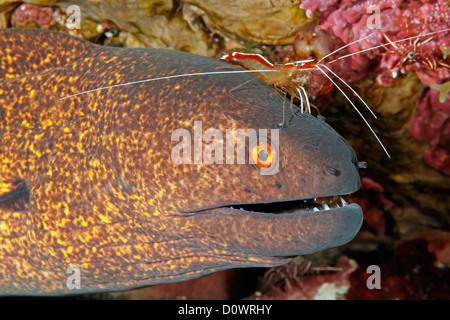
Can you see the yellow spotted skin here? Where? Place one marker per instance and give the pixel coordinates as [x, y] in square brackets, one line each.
[88, 181]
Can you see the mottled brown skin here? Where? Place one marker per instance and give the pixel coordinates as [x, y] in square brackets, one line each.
[89, 181]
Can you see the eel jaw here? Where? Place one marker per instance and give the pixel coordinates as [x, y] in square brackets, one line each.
[283, 233]
[295, 206]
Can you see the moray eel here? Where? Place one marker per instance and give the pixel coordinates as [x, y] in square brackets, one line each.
[87, 183]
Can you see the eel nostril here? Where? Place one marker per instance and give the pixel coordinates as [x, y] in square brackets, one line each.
[362, 165]
[332, 171]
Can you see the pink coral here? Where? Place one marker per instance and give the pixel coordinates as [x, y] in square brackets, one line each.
[415, 271]
[313, 5]
[42, 16]
[432, 125]
[374, 202]
[399, 19]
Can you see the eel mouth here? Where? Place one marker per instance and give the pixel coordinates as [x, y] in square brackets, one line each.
[282, 229]
[294, 206]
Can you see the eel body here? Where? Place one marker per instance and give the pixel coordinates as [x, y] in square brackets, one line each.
[87, 183]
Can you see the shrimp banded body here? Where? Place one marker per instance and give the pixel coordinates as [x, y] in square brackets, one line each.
[288, 75]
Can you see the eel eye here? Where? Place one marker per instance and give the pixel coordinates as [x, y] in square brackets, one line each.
[263, 155]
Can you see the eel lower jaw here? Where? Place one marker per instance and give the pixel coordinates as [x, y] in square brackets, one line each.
[295, 228]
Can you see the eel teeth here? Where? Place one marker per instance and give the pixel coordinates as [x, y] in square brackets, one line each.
[343, 202]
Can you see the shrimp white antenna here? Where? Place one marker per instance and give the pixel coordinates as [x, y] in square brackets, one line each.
[391, 42]
[364, 119]
[162, 78]
[301, 99]
[306, 98]
[339, 49]
[354, 92]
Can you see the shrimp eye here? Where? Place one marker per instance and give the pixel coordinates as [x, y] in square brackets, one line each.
[263, 155]
[411, 55]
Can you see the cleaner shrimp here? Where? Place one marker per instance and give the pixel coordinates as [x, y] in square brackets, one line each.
[413, 52]
[404, 53]
[291, 76]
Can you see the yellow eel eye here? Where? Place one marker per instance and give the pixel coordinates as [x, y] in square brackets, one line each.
[263, 155]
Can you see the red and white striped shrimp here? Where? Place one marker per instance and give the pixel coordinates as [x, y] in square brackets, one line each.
[293, 76]
[412, 52]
